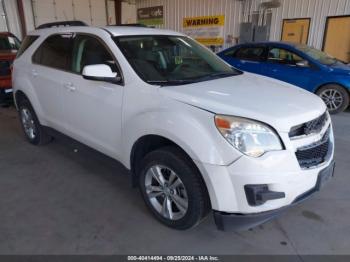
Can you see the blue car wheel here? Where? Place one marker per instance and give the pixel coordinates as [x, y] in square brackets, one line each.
[335, 97]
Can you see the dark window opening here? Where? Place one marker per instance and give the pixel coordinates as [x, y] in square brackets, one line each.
[55, 52]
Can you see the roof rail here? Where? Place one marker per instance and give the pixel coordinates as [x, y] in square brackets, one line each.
[62, 23]
[136, 25]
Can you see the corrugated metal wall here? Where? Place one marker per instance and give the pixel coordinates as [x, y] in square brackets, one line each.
[11, 13]
[317, 10]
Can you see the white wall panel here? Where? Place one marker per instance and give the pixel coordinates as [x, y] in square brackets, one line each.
[3, 18]
[44, 11]
[98, 12]
[111, 12]
[92, 12]
[317, 10]
[11, 11]
[128, 13]
[64, 10]
[29, 18]
[82, 11]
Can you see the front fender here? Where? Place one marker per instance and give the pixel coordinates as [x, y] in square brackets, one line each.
[191, 128]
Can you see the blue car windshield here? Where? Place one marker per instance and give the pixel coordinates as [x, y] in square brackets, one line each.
[317, 55]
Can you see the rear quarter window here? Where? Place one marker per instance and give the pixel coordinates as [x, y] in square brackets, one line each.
[26, 43]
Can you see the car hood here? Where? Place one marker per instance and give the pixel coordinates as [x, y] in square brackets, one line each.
[251, 96]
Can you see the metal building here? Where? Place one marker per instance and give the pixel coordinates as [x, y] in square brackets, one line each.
[21, 16]
[237, 12]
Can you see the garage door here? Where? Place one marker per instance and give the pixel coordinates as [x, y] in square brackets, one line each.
[92, 12]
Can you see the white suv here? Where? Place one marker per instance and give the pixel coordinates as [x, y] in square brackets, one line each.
[197, 134]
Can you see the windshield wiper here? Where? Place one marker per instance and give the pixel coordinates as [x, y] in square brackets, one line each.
[170, 82]
[191, 80]
[215, 76]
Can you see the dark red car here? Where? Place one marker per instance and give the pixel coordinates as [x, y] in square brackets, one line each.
[9, 45]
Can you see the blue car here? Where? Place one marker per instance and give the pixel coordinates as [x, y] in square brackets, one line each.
[296, 64]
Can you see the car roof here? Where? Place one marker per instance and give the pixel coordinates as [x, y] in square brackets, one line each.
[113, 30]
[135, 30]
[276, 43]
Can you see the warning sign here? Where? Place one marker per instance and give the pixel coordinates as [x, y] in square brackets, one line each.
[208, 30]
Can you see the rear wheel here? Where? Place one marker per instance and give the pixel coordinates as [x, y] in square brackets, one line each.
[335, 97]
[33, 131]
[172, 188]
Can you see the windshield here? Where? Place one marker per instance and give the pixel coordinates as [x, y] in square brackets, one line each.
[318, 55]
[9, 43]
[169, 60]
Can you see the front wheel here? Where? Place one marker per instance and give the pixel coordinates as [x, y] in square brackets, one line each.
[172, 188]
[335, 97]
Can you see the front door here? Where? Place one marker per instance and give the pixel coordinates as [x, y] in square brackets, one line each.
[93, 108]
[337, 38]
[283, 65]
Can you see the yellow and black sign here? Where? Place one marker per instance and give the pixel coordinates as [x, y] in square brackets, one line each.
[205, 21]
[208, 30]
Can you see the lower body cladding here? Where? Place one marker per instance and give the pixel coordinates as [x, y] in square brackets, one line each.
[252, 191]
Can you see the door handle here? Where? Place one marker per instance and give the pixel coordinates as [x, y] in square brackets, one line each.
[70, 87]
[34, 73]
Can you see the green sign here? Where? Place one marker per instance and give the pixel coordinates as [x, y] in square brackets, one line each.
[150, 15]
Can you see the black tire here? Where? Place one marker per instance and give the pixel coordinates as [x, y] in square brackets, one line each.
[41, 137]
[198, 199]
[341, 93]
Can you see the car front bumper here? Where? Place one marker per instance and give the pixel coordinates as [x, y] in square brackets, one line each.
[250, 190]
[237, 222]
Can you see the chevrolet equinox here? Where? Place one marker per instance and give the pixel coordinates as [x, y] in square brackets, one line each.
[197, 135]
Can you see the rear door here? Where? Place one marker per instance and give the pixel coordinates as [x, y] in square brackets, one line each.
[248, 58]
[281, 64]
[51, 61]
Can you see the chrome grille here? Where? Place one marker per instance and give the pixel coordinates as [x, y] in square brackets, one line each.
[308, 128]
[314, 154]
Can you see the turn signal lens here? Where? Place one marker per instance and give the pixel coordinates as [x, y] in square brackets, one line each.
[222, 123]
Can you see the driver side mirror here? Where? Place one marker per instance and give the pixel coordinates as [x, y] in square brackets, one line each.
[303, 63]
[100, 73]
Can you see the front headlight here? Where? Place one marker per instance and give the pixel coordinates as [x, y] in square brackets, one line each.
[250, 137]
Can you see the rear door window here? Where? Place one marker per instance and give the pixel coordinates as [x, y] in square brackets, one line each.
[251, 53]
[55, 52]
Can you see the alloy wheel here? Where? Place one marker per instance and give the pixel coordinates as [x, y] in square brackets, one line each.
[333, 99]
[28, 123]
[166, 192]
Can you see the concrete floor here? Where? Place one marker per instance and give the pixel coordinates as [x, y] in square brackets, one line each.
[57, 201]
